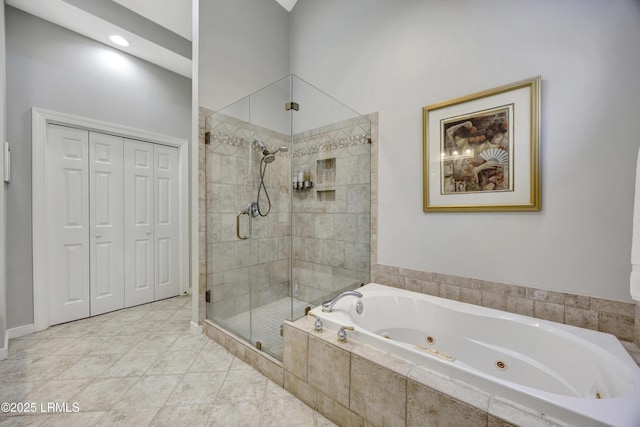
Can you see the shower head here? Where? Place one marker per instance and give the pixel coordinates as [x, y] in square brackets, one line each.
[268, 158]
[282, 148]
[269, 155]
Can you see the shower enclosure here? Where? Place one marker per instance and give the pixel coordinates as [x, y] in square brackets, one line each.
[287, 194]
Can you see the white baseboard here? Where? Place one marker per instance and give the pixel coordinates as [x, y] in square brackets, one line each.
[20, 331]
[196, 329]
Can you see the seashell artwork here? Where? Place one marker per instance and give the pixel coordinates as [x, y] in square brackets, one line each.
[497, 155]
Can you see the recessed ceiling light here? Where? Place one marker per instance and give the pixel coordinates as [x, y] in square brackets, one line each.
[119, 40]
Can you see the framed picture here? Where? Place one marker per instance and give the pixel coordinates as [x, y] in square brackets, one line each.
[481, 152]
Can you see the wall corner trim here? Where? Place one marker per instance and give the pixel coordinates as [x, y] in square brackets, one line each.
[196, 329]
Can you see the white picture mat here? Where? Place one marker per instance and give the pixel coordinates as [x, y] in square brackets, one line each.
[521, 145]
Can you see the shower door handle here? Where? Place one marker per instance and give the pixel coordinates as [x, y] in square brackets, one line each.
[238, 225]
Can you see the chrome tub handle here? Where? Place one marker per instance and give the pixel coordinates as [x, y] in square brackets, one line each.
[238, 225]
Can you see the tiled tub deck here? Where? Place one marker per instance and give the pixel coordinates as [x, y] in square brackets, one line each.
[353, 384]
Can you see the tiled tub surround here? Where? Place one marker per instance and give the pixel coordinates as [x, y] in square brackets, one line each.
[232, 177]
[354, 384]
[614, 317]
[332, 221]
[540, 361]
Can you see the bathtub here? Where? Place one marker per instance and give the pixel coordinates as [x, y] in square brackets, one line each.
[575, 375]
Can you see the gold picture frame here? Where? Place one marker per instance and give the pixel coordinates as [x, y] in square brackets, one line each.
[481, 152]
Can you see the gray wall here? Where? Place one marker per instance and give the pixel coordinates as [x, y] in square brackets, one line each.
[53, 68]
[396, 57]
[243, 47]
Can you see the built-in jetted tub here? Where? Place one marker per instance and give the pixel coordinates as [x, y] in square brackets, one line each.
[576, 375]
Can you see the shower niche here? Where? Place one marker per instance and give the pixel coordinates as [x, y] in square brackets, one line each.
[271, 249]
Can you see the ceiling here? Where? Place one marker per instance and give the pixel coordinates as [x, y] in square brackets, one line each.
[158, 31]
[287, 4]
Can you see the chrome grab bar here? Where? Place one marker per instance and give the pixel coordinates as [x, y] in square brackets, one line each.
[238, 225]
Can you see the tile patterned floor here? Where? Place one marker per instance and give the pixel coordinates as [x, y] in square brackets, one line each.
[265, 322]
[140, 367]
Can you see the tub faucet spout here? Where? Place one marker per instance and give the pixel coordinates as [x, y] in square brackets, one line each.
[327, 306]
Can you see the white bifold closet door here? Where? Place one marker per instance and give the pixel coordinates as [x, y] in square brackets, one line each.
[107, 222]
[113, 232]
[67, 185]
[151, 222]
[166, 228]
[139, 226]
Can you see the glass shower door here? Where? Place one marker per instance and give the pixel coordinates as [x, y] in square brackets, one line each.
[287, 192]
[331, 219]
[270, 175]
[228, 190]
[248, 180]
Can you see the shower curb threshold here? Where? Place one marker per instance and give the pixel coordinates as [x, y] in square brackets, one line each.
[264, 363]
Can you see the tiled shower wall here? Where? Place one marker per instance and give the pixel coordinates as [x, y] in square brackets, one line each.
[231, 183]
[332, 220]
[618, 318]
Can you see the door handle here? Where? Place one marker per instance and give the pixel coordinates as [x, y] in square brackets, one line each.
[148, 231]
[238, 225]
[98, 234]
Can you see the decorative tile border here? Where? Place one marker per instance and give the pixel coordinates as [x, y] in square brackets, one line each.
[323, 146]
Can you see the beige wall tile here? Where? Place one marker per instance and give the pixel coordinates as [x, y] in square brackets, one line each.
[416, 274]
[618, 325]
[471, 296]
[520, 305]
[494, 300]
[248, 355]
[457, 390]
[391, 362]
[427, 407]
[582, 318]
[501, 288]
[510, 412]
[449, 292]
[387, 269]
[271, 370]
[578, 301]
[389, 280]
[453, 280]
[337, 413]
[548, 311]
[613, 307]
[329, 368]
[377, 394]
[545, 295]
[296, 345]
[422, 286]
[301, 390]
